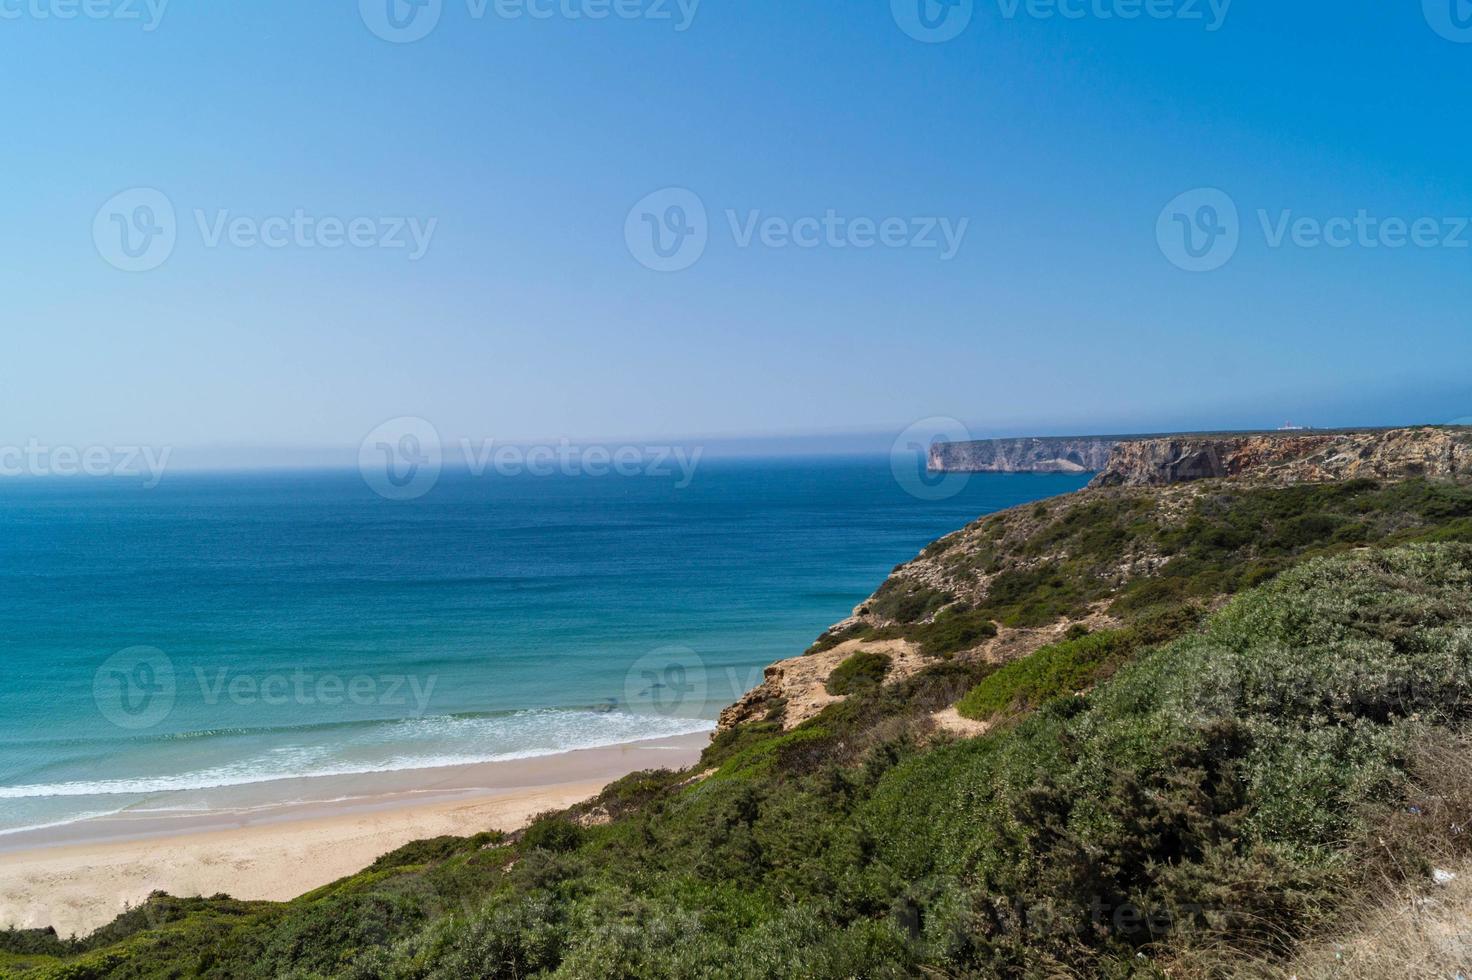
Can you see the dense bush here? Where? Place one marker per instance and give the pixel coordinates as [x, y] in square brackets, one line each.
[553, 832]
[1231, 538]
[1054, 671]
[433, 849]
[1215, 782]
[1079, 661]
[902, 600]
[860, 671]
[953, 631]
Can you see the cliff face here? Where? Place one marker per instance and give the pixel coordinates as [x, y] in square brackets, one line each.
[1038, 570]
[1032, 455]
[1291, 457]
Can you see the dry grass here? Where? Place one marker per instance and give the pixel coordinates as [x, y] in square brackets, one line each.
[1402, 922]
[1408, 933]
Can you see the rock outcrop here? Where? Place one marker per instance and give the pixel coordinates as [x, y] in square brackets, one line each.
[1289, 456]
[799, 686]
[1296, 457]
[1043, 454]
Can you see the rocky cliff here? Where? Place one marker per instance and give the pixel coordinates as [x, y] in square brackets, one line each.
[1297, 457]
[1089, 560]
[1031, 455]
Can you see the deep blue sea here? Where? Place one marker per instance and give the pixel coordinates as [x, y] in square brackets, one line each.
[233, 629]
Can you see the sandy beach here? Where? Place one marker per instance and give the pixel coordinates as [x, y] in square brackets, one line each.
[80, 876]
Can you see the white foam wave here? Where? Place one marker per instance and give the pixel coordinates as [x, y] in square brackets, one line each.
[427, 743]
[66, 821]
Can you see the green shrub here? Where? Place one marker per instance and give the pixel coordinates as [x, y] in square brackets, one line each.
[433, 849]
[776, 753]
[1216, 780]
[1233, 538]
[954, 630]
[553, 832]
[903, 600]
[34, 942]
[834, 637]
[862, 670]
[1039, 596]
[1053, 671]
[1082, 659]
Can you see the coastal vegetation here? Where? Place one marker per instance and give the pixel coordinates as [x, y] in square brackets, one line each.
[862, 670]
[1233, 726]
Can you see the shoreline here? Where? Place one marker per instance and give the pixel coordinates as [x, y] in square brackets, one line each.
[80, 876]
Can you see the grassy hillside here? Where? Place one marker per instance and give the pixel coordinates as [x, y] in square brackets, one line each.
[1191, 784]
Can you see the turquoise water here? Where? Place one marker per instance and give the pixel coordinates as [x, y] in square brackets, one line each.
[228, 630]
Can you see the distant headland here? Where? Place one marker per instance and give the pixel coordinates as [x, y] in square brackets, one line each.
[1292, 453]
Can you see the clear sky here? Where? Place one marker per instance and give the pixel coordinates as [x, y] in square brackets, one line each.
[528, 140]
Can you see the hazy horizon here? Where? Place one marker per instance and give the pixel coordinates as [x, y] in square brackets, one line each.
[473, 451]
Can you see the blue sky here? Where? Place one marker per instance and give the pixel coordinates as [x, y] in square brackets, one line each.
[527, 142]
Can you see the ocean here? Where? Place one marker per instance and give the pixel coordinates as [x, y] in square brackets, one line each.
[229, 630]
